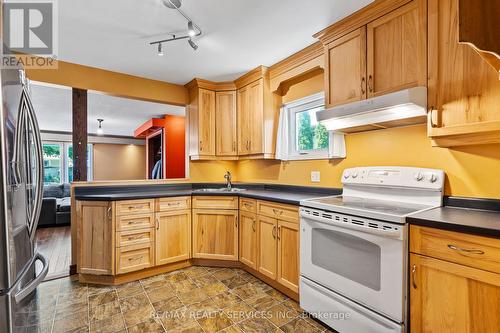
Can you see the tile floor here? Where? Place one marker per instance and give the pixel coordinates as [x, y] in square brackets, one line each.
[194, 299]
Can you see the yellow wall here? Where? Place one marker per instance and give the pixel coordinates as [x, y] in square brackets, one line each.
[118, 162]
[472, 171]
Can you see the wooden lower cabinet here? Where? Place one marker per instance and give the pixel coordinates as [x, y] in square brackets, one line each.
[288, 255]
[248, 239]
[268, 246]
[215, 234]
[449, 297]
[173, 236]
[134, 257]
[96, 238]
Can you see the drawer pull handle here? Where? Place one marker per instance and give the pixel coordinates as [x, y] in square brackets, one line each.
[131, 238]
[136, 207]
[456, 248]
[274, 232]
[413, 276]
[253, 225]
[174, 203]
[134, 258]
[279, 232]
[134, 222]
[246, 204]
[277, 211]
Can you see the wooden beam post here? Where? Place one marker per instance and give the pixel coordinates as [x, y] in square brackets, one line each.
[79, 134]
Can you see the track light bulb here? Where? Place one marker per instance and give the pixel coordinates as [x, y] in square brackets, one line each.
[160, 51]
[192, 44]
[191, 30]
[100, 131]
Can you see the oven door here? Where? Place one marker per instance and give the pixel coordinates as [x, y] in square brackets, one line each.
[361, 259]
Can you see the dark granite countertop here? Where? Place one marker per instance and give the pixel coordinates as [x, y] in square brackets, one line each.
[277, 193]
[474, 221]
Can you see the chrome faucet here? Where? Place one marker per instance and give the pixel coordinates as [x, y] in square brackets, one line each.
[227, 177]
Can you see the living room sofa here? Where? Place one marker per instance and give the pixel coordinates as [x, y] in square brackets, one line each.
[56, 206]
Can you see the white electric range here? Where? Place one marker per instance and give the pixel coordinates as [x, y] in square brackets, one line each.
[354, 247]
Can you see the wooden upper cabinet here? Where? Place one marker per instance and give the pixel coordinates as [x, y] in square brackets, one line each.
[396, 50]
[206, 129]
[226, 126]
[256, 116]
[463, 88]
[173, 236]
[96, 237]
[345, 68]
[215, 234]
[244, 119]
[201, 113]
[251, 118]
[448, 297]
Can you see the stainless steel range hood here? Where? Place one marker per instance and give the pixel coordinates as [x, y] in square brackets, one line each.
[405, 107]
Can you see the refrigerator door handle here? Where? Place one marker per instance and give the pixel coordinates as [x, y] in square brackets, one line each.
[18, 143]
[37, 205]
[31, 286]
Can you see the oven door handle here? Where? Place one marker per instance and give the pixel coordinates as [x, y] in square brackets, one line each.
[384, 233]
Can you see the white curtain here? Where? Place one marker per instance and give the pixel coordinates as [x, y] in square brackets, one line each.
[336, 146]
[282, 144]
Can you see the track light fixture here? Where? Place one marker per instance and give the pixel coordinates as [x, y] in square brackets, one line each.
[100, 131]
[193, 30]
[192, 44]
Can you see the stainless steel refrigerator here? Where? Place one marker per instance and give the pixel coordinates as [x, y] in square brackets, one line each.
[21, 176]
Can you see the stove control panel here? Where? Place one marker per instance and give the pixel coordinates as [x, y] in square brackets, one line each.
[431, 179]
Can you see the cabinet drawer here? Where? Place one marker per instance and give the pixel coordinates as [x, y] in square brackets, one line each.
[135, 207]
[134, 237]
[132, 222]
[278, 211]
[134, 258]
[248, 205]
[468, 250]
[215, 202]
[176, 203]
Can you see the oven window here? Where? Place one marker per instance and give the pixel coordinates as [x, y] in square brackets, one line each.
[346, 255]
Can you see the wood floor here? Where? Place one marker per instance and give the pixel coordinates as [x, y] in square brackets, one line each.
[55, 245]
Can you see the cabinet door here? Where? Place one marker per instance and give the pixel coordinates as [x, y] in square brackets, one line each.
[447, 297]
[248, 239]
[345, 70]
[96, 237]
[396, 52]
[215, 234]
[173, 236]
[226, 131]
[288, 255]
[206, 122]
[463, 88]
[256, 110]
[268, 246]
[244, 120]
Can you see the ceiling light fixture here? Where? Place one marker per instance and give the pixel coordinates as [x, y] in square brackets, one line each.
[100, 131]
[192, 44]
[193, 30]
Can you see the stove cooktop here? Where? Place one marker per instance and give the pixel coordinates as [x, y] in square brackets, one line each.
[386, 210]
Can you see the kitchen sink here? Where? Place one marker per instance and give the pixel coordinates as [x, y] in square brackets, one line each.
[223, 189]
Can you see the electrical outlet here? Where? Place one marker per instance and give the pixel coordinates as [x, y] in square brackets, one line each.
[315, 176]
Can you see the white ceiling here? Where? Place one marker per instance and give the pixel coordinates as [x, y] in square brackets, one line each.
[239, 35]
[121, 115]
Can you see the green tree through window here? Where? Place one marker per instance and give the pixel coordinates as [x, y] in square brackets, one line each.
[311, 135]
